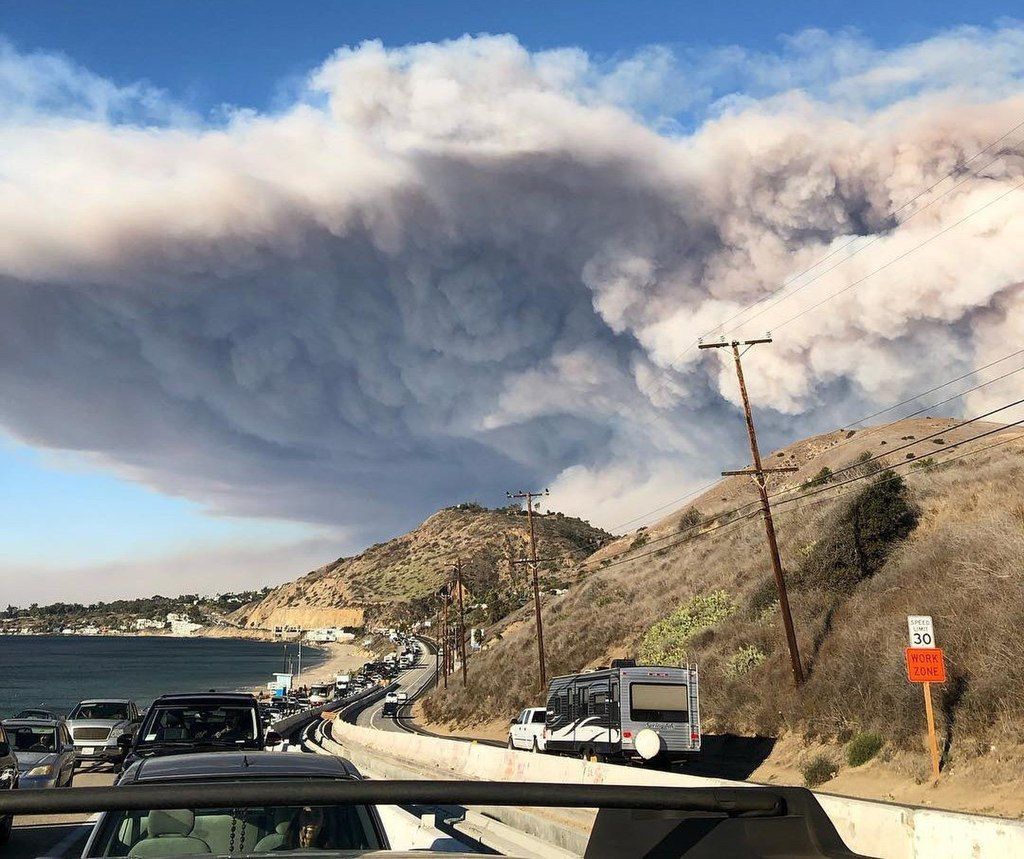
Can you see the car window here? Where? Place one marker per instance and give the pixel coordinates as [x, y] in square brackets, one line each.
[105, 710]
[32, 738]
[236, 831]
[208, 723]
[538, 716]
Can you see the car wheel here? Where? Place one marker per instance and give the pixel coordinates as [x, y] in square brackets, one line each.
[536, 748]
[5, 829]
[510, 745]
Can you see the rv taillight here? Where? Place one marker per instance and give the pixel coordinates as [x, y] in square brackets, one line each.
[627, 735]
[694, 737]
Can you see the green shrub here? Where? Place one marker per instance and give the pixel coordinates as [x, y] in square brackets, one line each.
[862, 748]
[860, 537]
[820, 479]
[743, 660]
[665, 642]
[820, 769]
[691, 519]
[639, 541]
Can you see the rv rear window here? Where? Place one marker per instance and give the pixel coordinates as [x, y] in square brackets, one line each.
[658, 702]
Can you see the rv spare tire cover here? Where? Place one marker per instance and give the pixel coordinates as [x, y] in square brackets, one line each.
[648, 744]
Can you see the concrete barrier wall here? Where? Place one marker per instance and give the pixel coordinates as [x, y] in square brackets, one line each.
[872, 828]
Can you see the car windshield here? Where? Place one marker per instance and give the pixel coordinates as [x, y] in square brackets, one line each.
[235, 831]
[213, 723]
[103, 710]
[32, 738]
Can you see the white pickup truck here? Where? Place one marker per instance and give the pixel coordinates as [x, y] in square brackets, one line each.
[526, 731]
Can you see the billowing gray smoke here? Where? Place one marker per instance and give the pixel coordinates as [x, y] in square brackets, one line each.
[453, 269]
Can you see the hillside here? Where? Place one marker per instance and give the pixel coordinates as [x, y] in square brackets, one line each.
[942, 535]
[396, 579]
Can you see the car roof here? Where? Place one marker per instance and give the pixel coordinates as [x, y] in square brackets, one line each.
[106, 701]
[31, 723]
[202, 766]
[240, 697]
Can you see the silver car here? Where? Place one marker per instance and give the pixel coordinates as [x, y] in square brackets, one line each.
[97, 724]
[45, 753]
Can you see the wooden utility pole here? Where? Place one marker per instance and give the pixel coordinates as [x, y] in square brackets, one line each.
[444, 639]
[462, 619]
[437, 642]
[529, 496]
[758, 472]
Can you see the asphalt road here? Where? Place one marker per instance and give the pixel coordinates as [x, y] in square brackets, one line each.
[411, 681]
[55, 835]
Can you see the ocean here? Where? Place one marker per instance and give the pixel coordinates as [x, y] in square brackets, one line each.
[56, 672]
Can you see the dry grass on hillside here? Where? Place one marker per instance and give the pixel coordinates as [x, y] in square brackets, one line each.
[963, 564]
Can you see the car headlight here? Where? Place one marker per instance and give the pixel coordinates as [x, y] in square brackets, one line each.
[45, 769]
[114, 734]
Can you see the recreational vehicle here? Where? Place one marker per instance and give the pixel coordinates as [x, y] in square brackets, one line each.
[627, 711]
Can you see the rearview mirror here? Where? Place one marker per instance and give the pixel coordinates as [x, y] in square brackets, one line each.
[272, 738]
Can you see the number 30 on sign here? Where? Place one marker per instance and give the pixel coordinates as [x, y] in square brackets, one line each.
[922, 634]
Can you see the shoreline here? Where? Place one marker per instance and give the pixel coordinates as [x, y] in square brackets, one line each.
[340, 658]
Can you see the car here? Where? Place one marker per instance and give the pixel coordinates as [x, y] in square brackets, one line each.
[205, 721]
[34, 713]
[8, 781]
[44, 751]
[97, 726]
[236, 831]
[526, 731]
[390, 707]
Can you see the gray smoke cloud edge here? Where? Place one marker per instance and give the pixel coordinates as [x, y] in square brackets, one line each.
[446, 270]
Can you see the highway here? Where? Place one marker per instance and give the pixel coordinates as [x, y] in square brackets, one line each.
[413, 681]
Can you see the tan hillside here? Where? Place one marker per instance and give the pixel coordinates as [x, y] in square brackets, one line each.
[396, 579]
[946, 539]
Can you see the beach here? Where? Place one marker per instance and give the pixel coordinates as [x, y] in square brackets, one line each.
[341, 658]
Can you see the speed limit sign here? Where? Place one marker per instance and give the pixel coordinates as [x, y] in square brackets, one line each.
[922, 634]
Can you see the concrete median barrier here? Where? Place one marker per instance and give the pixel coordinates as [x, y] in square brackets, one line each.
[868, 827]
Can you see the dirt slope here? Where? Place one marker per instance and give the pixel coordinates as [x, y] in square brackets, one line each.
[708, 592]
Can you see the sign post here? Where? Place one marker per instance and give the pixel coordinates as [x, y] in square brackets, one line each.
[925, 665]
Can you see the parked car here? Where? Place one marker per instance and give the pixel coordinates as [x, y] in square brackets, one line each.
[526, 731]
[236, 831]
[205, 721]
[97, 726]
[33, 713]
[8, 781]
[44, 751]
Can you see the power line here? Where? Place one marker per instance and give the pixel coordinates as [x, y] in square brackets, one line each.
[707, 486]
[899, 257]
[956, 169]
[748, 516]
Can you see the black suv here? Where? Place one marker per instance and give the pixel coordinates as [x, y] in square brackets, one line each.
[200, 722]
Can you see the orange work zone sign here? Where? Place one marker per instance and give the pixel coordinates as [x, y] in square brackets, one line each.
[925, 665]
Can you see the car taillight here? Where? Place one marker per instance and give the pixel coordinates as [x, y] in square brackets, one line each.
[628, 735]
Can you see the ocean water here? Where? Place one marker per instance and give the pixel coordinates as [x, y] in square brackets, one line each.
[57, 672]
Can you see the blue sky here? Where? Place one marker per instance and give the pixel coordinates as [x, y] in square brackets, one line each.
[241, 53]
[66, 517]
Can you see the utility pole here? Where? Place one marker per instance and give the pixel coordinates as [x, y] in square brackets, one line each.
[462, 619]
[437, 642]
[444, 638]
[758, 472]
[529, 496]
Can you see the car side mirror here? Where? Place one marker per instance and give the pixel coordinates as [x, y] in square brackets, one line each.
[124, 742]
[272, 738]
[5, 749]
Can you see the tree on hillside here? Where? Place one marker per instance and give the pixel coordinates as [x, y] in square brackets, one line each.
[860, 536]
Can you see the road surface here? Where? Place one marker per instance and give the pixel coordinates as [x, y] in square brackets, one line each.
[412, 681]
[56, 835]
